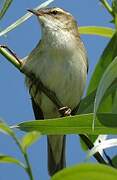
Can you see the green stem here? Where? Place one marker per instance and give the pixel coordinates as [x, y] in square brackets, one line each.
[28, 169]
[17, 64]
[10, 57]
[116, 21]
[107, 6]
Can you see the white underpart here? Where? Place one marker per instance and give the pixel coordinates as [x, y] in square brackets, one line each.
[62, 68]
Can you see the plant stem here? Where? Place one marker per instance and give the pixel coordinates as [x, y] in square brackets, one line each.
[28, 169]
[116, 21]
[107, 6]
[17, 64]
[90, 145]
[10, 57]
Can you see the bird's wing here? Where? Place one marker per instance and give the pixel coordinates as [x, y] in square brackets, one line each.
[36, 108]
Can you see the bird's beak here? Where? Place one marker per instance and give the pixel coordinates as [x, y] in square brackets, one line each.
[35, 12]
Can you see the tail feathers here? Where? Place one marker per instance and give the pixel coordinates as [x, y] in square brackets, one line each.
[54, 165]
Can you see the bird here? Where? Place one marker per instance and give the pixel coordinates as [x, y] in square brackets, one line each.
[60, 61]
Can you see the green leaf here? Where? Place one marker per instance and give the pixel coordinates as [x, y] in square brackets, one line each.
[114, 108]
[87, 171]
[6, 5]
[29, 139]
[114, 161]
[23, 18]
[108, 102]
[87, 104]
[4, 128]
[10, 159]
[109, 76]
[107, 6]
[107, 57]
[114, 6]
[106, 123]
[95, 30]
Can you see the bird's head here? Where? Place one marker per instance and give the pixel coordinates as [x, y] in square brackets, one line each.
[55, 19]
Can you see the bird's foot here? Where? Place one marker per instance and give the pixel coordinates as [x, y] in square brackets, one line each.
[65, 111]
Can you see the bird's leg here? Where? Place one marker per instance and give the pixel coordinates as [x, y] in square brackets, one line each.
[65, 111]
[14, 54]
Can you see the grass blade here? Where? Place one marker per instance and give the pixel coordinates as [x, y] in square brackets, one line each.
[23, 18]
[106, 123]
[100, 31]
[6, 5]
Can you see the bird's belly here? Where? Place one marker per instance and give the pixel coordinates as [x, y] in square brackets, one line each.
[65, 78]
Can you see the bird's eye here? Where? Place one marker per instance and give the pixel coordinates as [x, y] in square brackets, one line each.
[54, 12]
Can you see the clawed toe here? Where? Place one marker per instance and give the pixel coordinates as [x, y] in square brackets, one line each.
[65, 111]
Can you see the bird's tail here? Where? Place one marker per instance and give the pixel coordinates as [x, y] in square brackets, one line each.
[56, 153]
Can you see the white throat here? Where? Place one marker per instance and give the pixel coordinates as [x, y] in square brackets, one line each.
[58, 39]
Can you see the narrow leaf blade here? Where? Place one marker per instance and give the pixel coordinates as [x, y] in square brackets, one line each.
[95, 30]
[114, 161]
[109, 76]
[106, 58]
[23, 19]
[106, 123]
[9, 159]
[4, 128]
[6, 5]
[29, 139]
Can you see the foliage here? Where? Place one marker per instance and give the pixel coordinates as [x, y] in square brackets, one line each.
[22, 144]
[92, 171]
[105, 123]
[96, 115]
[5, 7]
